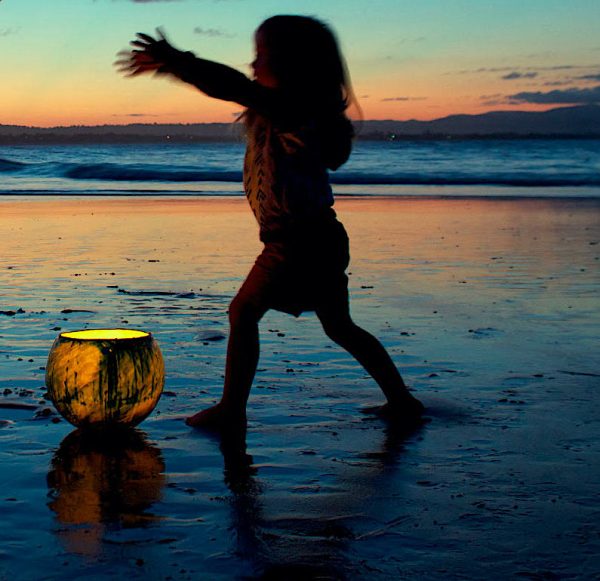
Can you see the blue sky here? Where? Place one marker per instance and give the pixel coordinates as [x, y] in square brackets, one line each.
[419, 59]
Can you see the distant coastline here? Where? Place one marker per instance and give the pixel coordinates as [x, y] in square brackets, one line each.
[580, 122]
[51, 138]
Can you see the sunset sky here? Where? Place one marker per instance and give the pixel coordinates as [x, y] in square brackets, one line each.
[408, 59]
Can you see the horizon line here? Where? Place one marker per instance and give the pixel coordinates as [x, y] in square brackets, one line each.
[182, 123]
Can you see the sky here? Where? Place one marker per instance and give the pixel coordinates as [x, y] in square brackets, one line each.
[408, 59]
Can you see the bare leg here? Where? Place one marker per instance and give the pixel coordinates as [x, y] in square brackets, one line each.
[242, 359]
[371, 354]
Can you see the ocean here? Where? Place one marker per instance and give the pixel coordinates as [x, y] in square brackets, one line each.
[487, 167]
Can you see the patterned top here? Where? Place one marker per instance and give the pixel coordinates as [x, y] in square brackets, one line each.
[285, 182]
[285, 166]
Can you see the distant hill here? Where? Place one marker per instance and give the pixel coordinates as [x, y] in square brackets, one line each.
[564, 122]
[132, 133]
[581, 121]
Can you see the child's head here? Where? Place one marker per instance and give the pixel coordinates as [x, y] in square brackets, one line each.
[300, 55]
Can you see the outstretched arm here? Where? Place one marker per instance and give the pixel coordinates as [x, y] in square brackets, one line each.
[158, 56]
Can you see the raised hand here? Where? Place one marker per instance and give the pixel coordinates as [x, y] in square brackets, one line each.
[149, 55]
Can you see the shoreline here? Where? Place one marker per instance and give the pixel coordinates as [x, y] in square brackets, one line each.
[351, 192]
[592, 196]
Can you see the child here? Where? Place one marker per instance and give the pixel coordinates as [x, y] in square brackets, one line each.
[296, 130]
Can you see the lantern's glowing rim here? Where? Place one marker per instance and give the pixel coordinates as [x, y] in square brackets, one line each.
[105, 334]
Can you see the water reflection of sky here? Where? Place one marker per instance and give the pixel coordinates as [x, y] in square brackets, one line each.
[488, 307]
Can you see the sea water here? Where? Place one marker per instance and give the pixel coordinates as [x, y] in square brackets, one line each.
[487, 167]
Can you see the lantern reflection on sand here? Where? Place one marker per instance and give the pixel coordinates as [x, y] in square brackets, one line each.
[101, 480]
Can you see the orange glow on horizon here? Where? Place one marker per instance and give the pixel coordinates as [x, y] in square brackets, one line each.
[200, 109]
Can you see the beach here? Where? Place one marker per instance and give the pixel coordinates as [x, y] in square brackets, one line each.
[489, 307]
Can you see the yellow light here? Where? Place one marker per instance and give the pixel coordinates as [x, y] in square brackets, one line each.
[104, 334]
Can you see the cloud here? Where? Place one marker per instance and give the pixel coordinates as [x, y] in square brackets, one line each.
[410, 40]
[575, 95]
[387, 99]
[211, 32]
[486, 70]
[8, 31]
[564, 67]
[523, 70]
[134, 115]
[493, 100]
[589, 77]
[156, 1]
[516, 75]
[558, 83]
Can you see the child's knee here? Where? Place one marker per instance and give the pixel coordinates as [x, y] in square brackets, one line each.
[337, 329]
[243, 311]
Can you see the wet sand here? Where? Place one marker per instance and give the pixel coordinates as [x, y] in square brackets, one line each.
[489, 307]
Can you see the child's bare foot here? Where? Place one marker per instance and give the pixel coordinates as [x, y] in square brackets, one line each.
[405, 408]
[217, 418]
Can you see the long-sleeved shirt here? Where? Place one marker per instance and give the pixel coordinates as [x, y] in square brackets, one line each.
[288, 153]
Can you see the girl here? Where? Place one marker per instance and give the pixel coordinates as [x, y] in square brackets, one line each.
[296, 131]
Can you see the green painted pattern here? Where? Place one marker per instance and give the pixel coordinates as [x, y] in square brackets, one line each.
[105, 381]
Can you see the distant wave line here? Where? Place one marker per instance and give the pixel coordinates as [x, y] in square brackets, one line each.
[7, 165]
[111, 172]
[119, 173]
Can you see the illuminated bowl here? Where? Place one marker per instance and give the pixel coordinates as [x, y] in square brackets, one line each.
[105, 376]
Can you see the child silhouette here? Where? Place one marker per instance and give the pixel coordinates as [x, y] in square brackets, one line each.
[296, 130]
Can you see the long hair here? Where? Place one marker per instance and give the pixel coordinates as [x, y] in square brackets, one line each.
[305, 58]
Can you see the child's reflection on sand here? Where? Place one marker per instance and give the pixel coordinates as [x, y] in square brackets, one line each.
[296, 540]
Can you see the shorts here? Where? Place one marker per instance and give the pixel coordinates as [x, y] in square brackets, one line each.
[303, 271]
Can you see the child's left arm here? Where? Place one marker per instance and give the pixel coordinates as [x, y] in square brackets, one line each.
[158, 56]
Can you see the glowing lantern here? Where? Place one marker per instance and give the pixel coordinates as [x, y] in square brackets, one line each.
[105, 376]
